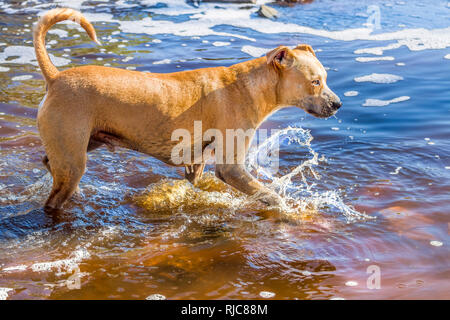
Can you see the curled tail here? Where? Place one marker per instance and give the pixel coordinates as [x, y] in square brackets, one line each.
[44, 24]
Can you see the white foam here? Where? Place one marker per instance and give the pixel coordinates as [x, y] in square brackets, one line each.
[26, 55]
[436, 243]
[396, 171]
[204, 19]
[254, 51]
[201, 24]
[4, 69]
[156, 296]
[370, 59]
[21, 267]
[447, 56]
[164, 61]
[379, 78]
[220, 43]
[378, 50]
[22, 78]
[4, 293]
[266, 294]
[59, 32]
[64, 265]
[351, 93]
[383, 103]
[351, 283]
[50, 43]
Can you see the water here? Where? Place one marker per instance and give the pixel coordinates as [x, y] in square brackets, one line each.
[368, 187]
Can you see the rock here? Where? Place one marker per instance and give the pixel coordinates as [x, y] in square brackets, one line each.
[267, 12]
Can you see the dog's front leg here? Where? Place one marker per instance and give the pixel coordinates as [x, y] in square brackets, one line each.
[237, 176]
[193, 173]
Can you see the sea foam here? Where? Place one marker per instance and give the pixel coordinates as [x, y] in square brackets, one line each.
[379, 78]
[383, 103]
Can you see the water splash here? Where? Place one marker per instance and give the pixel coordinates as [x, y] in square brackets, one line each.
[298, 197]
[301, 196]
[168, 196]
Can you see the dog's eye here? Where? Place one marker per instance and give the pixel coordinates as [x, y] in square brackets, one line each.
[316, 83]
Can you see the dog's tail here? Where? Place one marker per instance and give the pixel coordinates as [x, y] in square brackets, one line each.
[44, 24]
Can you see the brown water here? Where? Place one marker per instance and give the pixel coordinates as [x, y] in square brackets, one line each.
[136, 228]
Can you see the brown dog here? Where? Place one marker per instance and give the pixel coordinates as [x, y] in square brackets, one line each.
[91, 106]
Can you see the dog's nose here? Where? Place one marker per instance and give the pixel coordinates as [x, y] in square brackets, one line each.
[336, 105]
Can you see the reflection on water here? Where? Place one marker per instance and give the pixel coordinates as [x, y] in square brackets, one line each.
[366, 188]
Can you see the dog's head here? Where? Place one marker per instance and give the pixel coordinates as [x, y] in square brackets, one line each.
[303, 81]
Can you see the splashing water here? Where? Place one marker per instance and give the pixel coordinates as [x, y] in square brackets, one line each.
[168, 196]
[298, 197]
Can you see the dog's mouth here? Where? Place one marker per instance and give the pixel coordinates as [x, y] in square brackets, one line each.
[318, 109]
[322, 115]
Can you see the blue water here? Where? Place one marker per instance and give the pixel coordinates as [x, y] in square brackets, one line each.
[391, 162]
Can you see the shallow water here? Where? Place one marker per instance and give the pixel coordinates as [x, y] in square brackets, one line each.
[372, 184]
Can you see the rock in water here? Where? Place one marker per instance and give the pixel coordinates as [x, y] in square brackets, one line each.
[268, 12]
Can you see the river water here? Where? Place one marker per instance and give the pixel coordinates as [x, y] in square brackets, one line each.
[367, 190]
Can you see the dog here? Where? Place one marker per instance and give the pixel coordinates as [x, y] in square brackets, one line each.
[91, 106]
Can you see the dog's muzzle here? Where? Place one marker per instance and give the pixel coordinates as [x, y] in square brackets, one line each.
[336, 105]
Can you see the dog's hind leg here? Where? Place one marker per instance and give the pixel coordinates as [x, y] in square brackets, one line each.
[67, 172]
[91, 146]
[66, 154]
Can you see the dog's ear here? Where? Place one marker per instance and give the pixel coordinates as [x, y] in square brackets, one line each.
[305, 47]
[279, 56]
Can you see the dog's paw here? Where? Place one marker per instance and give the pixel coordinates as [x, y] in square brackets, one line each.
[271, 200]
